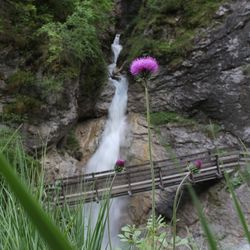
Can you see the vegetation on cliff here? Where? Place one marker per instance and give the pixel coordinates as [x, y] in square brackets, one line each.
[165, 29]
[53, 40]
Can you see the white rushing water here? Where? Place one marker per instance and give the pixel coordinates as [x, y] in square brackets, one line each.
[113, 137]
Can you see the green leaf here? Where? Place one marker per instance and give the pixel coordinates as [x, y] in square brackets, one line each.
[210, 237]
[238, 208]
[54, 238]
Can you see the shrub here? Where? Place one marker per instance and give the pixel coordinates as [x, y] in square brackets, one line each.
[159, 118]
[23, 105]
[19, 79]
[77, 38]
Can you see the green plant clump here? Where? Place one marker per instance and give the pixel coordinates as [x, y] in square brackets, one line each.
[72, 144]
[19, 211]
[212, 130]
[159, 118]
[23, 105]
[20, 79]
[77, 39]
[141, 238]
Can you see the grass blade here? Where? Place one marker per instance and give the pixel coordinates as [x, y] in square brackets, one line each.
[210, 237]
[238, 208]
[54, 238]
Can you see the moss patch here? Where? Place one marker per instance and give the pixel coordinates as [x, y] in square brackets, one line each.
[12, 118]
[23, 105]
[19, 79]
[160, 118]
[212, 130]
[94, 77]
[13, 149]
[72, 145]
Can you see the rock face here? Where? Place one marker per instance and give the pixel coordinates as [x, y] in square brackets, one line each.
[213, 81]
[51, 130]
[58, 165]
[188, 139]
[53, 114]
[220, 212]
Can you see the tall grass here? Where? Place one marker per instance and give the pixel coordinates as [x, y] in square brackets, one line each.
[16, 228]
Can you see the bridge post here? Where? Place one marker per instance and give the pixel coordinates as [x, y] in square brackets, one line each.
[218, 174]
[191, 178]
[129, 184]
[161, 185]
[96, 188]
[63, 193]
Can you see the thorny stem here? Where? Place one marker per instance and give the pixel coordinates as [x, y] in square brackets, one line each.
[150, 159]
[175, 207]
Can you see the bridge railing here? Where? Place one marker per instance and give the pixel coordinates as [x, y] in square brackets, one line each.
[137, 178]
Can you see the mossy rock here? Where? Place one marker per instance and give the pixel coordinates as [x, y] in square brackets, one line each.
[95, 75]
[18, 80]
[72, 145]
[178, 22]
[23, 105]
[160, 118]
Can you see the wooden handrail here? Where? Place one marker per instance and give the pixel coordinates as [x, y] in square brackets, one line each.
[137, 178]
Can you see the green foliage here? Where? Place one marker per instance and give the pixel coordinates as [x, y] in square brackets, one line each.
[72, 142]
[20, 20]
[19, 79]
[245, 174]
[50, 85]
[59, 9]
[238, 209]
[93, 78]
[12, 118]
[22, 81]
[237, 180]
[212, 130]
[53, 237]
[11, 147]
[142, 238]
[23, 104]
[61, 36]
[72, 145]
[77, 38]
[159, 118]
[19, 225]
[206, 228]
[246, 69]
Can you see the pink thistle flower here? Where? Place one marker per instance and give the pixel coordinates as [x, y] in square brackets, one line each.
[120, 163]
[144, 65]
[198, 164]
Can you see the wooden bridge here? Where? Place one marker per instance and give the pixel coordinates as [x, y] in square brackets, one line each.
[137, 178]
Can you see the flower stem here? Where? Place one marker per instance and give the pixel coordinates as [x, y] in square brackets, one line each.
[175, 207]
[150, 159]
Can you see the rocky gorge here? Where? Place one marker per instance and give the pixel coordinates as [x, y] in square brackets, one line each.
[199, 101]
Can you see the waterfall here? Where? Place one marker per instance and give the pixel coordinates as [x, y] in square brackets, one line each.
[113, 137]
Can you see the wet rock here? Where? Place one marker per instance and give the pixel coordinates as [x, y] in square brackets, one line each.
[212, 81]
[89, 135]
[187, 139]
[59, 165]
[138, 140]
[104, 100]
[221, 214]
[54, 126]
